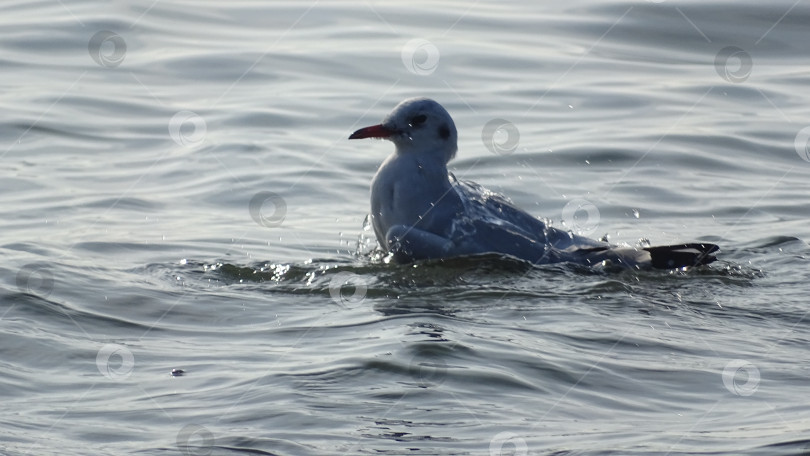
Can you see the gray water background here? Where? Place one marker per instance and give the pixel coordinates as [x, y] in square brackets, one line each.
[178, 192]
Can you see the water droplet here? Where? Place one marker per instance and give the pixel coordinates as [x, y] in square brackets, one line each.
[636, 213]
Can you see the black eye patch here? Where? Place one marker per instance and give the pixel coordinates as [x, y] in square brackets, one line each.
[444, 132]
[418, 120]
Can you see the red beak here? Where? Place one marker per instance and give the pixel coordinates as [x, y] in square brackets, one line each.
[374, 131]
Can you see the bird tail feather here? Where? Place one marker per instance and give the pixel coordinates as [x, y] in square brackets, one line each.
[682, 255]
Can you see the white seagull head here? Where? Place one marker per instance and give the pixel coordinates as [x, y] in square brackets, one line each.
[417, 126]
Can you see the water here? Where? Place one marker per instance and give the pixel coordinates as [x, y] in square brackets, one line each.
[178, 193]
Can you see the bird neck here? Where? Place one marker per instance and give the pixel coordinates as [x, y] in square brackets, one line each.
[433, 157]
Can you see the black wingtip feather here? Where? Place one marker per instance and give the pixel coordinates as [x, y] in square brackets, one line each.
[682, 255]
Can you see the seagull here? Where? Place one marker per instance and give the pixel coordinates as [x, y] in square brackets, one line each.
[420, 211]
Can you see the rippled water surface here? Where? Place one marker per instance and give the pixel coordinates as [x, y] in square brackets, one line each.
[186, 269]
